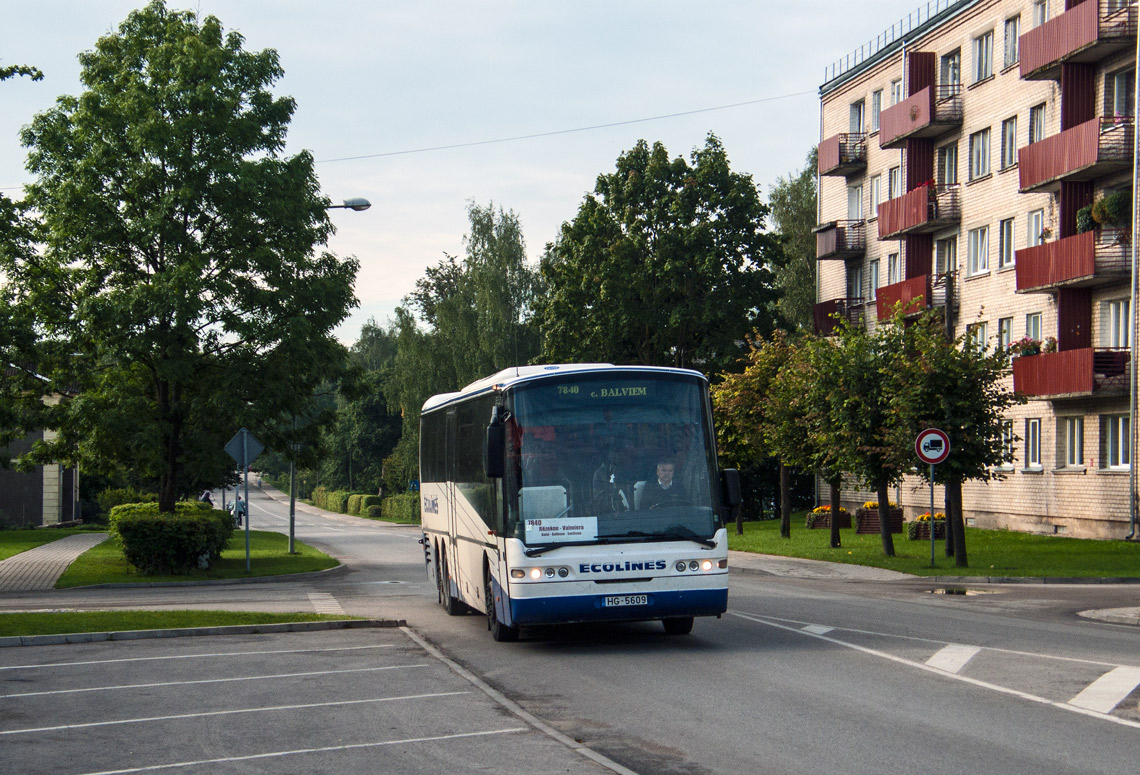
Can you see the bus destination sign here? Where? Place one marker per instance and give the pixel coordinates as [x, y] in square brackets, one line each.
[561, 529]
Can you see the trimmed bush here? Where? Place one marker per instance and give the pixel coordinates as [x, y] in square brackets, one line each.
[164, 543]
[117, 496]
[354, 504]
[404, 508]
[370, 500]
[375, 512]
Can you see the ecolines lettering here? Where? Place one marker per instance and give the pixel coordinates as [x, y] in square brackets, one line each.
[610, 567]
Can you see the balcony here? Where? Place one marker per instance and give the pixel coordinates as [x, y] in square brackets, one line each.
[843, 154]
[914, 295]
[828, 313]
[1072, 373]
[920, 211]
[928, 113]
[1087, 151]
[1081, 261]
[840, 239]
[1088, 32]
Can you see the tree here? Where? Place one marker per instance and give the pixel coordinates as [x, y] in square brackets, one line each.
[179, 277]
[666, 263]
[794, 216]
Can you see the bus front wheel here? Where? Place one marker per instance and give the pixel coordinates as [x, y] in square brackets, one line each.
[681, 625]
[499, 631]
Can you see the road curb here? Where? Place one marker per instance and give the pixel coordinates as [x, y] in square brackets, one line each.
[184, 632]
[965, 580]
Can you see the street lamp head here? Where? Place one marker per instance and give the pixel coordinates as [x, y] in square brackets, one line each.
[356, 203]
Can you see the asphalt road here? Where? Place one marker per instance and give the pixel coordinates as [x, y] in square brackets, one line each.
[804, 675]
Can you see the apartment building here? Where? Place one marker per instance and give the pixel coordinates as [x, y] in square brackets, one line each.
[987, 147]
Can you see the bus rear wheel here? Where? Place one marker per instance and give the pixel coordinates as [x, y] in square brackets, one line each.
[681, 625]
[451, 605]
[499, 631]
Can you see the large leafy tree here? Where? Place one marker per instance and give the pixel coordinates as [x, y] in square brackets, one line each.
[180, 269]
[667, 263]
[794, 215]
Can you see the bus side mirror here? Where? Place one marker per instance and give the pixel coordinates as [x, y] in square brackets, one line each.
[494, 447]
[730, 487]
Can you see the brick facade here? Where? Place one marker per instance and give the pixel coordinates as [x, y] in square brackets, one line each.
[950, 118]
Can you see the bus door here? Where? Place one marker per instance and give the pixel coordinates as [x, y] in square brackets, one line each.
[449, 492]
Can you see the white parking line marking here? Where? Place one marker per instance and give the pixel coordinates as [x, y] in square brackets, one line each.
[212, 655]
[972, 681]
[818, 629]
[234, 712]
[295, 752]
[953, 658]
[1108, 691]
[207, 681]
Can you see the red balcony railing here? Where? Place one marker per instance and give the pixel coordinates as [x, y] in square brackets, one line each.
[1083, 260]
[921, 210]
[927, 113]
[1087, 32]
[841, 239]
[843, 154]
[828, 314]
[1087, 151]
[1071, 373]
[914, 295]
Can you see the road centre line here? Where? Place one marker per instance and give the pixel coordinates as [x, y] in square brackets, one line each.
[299, 751]
[953, 658]
[211, 655]
[952, 676]
[1108, 691]
[234, 712]
[209, 681]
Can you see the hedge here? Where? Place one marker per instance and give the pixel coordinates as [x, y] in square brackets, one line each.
[164, 543]
[403, 508]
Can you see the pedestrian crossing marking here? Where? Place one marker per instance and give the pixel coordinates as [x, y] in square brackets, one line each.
[1108, 691]
[953, 658]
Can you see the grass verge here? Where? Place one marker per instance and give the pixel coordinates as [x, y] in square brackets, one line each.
[57, 623]
[268, 556]
[989, 552]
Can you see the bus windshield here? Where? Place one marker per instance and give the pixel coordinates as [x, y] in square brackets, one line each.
[605, 457]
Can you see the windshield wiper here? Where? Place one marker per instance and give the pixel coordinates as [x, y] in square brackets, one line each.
[675, 534]
[534, 551]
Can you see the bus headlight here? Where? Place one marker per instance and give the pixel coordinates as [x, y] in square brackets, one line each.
[563, 572]
[536, 573]
[550, 573]
[706, 565]
[681, 566]
[694, 565]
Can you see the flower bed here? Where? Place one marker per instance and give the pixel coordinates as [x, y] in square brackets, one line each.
[867, 519]
[820, 517]
[919, 529]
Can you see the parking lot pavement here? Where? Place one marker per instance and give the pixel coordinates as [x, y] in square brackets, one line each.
[344, 701]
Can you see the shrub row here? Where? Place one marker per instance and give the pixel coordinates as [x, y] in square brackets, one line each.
[163, 543]
[403, 508]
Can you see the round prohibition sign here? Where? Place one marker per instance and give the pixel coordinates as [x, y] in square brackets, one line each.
[932, 446]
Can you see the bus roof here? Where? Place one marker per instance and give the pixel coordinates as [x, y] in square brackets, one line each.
[519, 374]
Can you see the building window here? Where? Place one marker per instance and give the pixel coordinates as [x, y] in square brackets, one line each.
[1005, 244]
[1033, 443]
[855, 284]
[983, 56]
[1012, 31]
[1005, 333]
[873, 272]
[894, 182]
[894, 269]
[896, 91]
[1009, 142]
[1117, 323]
[948, 164]
[1033, 325]
[978, 334]
[952, 68]
[1037, 123]
[855, 203]
[1035, 232]
[1116, 439]
[1120, 93]
[1007, 443]
[946, 255]
[1071, 441]
[876, 196]
[856, 123]
[978, 250]
[1040, 12]
[876, 109]
[980, 154]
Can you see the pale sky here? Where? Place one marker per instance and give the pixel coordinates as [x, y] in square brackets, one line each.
[379, 79]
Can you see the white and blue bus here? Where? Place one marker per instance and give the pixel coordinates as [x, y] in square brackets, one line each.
[542, 498]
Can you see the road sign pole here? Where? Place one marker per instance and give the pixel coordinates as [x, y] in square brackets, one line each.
[931, 515]
[245, 471]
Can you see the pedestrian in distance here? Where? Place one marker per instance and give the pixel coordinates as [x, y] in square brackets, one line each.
[207, 497]
[239, 511]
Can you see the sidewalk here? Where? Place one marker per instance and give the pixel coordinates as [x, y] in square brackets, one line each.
[38, 569]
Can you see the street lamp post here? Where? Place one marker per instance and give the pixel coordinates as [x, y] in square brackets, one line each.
[357, 203]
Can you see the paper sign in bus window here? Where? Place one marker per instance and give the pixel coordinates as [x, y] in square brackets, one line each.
[561, 529]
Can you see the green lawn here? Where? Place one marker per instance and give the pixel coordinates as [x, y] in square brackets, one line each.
[119, 621]
[990, 552]
[268, 552]
[16, 541]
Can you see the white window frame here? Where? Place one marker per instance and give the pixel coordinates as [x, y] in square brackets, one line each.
[983, 56]
[1116, 323]
[1033, 325]
[1040, 12]
[1035, 228]
[1007, 255]
[1009, 142]
[873, 278]
[980, 154]
[876, 108]
[876, 188]
[1071, 435]
[855, 202]
[946, 255]
[1033, 443]
[1116, 439]
[948, 164]
[896, 91]
[978, 251]
[1007, 444]
[858, 116]
[1012, 32]
[894, 182]
[1037, 123]
[855, 283]
[951, 69]
[1005, 333]
[978, 333]
[1120, 90]
[894, 268]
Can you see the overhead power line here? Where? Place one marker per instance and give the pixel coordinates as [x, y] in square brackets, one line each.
[516, 138]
